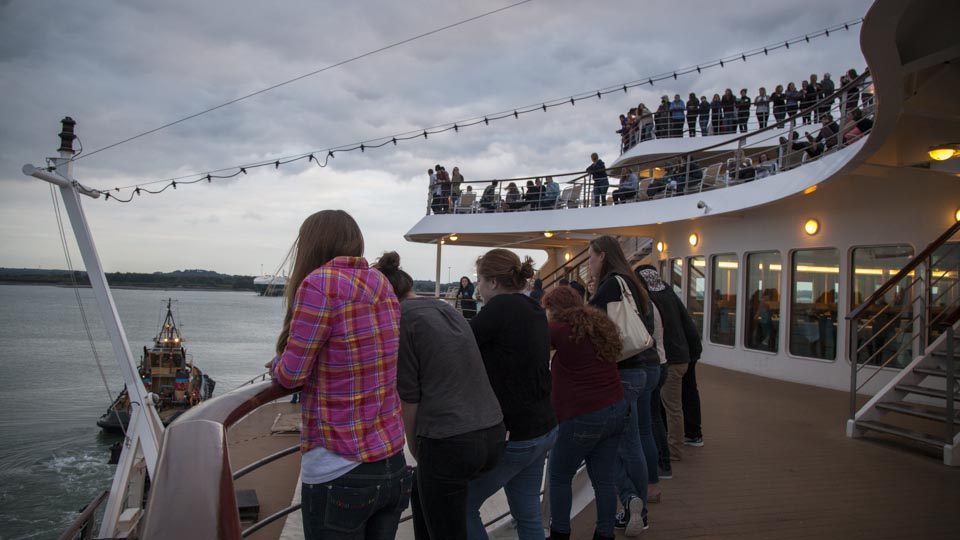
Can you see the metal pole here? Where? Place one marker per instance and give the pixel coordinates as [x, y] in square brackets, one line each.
[144, 430]
[436, 290]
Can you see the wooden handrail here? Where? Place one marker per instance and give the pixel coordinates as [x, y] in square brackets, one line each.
[83, 520]
[910, 267]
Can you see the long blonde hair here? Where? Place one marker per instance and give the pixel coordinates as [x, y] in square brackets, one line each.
[323, 236]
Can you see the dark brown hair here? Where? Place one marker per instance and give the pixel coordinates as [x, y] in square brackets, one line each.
[505, 267]
[389, 266]
[614, 262]
[323, 236]
[566, 306]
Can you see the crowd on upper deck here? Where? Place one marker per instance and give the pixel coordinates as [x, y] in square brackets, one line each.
[728, 113]
[578, 373]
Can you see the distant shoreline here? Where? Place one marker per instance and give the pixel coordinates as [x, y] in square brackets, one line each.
[129, 287]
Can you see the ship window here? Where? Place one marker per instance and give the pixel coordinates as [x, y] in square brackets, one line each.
[696, 286]
[885, 330]
[763, 301]
[723, 311]
[815, 275]
[944, 290]
[676, 276]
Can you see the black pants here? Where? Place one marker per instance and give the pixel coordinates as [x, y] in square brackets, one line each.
[444, 469]
[658, 415]
[621, 195]
[692, 125]
[762, 118]
[691, 403]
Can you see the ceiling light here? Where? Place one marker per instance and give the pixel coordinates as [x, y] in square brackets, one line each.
[811, 227]
[809, 190]
[548, 234]
[943, 152]
[454, 237]
[694, 239]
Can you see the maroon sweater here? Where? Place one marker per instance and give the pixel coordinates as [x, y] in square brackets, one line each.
[582, 383]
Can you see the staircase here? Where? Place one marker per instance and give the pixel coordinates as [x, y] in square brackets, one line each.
[920, 402]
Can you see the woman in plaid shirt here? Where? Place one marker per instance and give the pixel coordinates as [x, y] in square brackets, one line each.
[339, 341]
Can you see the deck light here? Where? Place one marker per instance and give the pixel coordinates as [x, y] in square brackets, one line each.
[548, 234]
[694, 239]
[811, 227]
[943, 152]
[454, 237]
[661, 246]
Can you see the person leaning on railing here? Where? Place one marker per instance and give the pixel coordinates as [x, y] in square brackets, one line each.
[452, 418]
[340, 340]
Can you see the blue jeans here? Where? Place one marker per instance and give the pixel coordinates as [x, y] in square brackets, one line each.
[632, 469]
[594, 437]
[645, 423]
[364, 504]
[600, 194]
[520, 474]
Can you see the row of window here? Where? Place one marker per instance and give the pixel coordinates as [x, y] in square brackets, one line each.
[812, 300]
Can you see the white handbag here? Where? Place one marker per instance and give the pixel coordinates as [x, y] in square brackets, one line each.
[626, 316]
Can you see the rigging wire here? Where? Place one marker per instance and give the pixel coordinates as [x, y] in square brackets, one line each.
[306, 75]
[424, 133]
[83, 313]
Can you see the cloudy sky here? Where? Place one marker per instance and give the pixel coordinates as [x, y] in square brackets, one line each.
[122, 68]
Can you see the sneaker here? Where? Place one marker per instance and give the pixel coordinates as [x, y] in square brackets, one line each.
[621, 522]
[665, 474]
[693, 441]
[636, 521]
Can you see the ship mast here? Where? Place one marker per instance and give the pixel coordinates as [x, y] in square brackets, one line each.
[141, 446]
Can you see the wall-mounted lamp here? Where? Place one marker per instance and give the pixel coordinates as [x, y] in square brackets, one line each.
[811, 227]
[566, 256]
[957, 214]
[694, 239]
[661, 246]
[943, 152]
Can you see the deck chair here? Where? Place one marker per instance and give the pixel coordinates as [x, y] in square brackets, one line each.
[465, 204]
[642, 190]
[564, 200]
[711, 176]
[574, 201]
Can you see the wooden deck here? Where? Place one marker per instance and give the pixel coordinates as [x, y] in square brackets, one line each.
[777, 465]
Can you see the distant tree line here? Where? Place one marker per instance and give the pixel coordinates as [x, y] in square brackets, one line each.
[183, 279]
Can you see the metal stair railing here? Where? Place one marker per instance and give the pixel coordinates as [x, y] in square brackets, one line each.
[929, 288]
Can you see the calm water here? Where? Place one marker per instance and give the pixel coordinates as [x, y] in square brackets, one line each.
[53, 458]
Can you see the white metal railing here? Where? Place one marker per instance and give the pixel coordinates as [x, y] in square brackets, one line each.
[754, 156]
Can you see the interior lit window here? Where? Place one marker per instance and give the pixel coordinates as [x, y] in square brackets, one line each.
[763, 301]
[885, 330]
[815, 283]
[696, 287]
[723, 310]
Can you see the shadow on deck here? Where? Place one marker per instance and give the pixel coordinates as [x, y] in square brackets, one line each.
[777, 465]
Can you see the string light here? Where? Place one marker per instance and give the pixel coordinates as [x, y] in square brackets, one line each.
[461, 124]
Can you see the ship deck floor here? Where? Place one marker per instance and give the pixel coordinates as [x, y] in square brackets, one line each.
[776, 465]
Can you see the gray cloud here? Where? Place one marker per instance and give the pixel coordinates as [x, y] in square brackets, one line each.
[120, 68]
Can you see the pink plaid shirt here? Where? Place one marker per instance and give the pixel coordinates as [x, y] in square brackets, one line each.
[342, 348]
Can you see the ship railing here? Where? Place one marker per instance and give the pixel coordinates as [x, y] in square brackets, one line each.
[85, 524]
[906, 313]
[748, 157]
[654, 126]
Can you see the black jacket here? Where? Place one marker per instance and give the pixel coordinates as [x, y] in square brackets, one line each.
[609, 291]
[681, 341]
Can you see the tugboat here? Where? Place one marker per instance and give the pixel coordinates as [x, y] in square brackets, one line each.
[174, 383]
